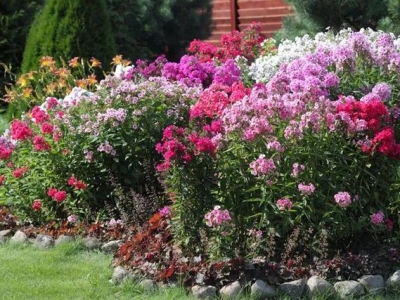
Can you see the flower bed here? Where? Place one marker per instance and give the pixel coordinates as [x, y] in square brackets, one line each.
[288, 153]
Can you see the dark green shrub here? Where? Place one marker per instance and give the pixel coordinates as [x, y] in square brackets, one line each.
[314, 16]
[392, 22]
[143, 28]
[66, 29]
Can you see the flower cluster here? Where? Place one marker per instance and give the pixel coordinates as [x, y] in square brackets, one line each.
[343, 199]
[284, 203]
[246, 43]
[57, 195]
[217, 217]
[262, 166]
[165, 212]
[306, 189]
[19, 172]
[77, 184]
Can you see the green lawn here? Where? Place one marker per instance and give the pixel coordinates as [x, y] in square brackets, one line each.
[70, 272]
[65, 272]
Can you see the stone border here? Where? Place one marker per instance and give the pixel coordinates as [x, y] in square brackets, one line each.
[313, 287]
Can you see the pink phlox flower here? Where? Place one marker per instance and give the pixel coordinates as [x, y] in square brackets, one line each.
[217, 217]
[262, 166]
[113, 223]
[306, 189]
[343, 199]
[296, 169]
[284, 203]
[72, 218]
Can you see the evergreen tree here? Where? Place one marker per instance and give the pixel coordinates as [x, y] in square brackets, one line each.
[15, 19]
[68, 28]
[392, 22]
[317, 15]
[144, 28]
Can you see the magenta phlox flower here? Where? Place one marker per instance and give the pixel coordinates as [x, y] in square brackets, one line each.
[165, 211]
[217, 217]
[343, 199]
[377, 218]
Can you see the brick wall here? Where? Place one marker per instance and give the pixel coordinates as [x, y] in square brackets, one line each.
[229, 15]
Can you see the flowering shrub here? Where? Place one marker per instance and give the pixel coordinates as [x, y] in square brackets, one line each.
[313, 147]
[81, 154]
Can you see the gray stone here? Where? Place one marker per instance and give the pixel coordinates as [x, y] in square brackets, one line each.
[3, 239]
[261, 290]
[317, 286]
[43, 241]
[373, 283]
[6, 233]
[91, 243]
[148, 284]
[62, 239]
[204, 292]
[111, 246]
[394, 280]
[294, 289]
[120, 275]
[349, 289]
[19, 237]
[230, 291]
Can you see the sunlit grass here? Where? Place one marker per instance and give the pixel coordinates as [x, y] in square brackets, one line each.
[70, 272]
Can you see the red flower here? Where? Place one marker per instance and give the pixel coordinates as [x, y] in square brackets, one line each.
[5, 153]
[79, 185]
[20, 131]
[51, 102]
[39, 115]
[19, 172]
[389, 224]
[60, 196]
[51, 192]
[37, 205]
[47, 128]
[2, 179]
[40, 144]
[72, 180]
